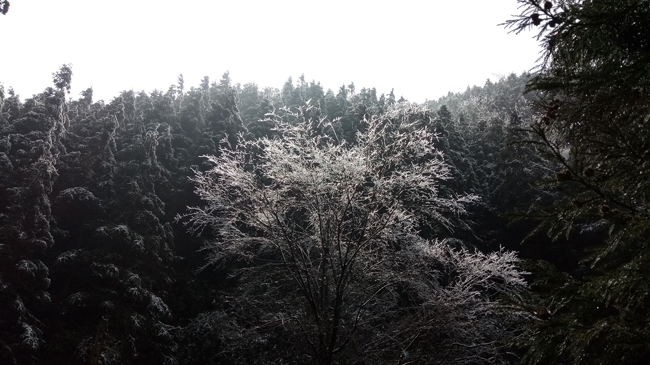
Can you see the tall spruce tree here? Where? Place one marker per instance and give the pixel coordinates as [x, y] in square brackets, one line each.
[593, 116]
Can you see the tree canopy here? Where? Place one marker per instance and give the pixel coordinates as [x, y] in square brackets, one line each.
[330, 230]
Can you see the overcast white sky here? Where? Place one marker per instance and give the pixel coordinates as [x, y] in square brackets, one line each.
[423, 49]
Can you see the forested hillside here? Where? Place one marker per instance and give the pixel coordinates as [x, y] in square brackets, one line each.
[222, 223]
[97, 269]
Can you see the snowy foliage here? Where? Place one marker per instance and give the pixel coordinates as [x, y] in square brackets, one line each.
[27, 268]
[75, 299]
[132, 280]
[340, 224]
[105, 271]
[67, 257]
[19, 306]
[77, 193]
[31, 337]
[159, 307]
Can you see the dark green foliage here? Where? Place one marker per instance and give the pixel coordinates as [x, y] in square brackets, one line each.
[31, 141]
[480, 132]
[88, 258]
[592, 122]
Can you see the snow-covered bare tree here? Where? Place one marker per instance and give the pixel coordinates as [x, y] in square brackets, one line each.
[330, 265]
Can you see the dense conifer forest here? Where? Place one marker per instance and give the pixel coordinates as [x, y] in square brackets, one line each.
[222, 223]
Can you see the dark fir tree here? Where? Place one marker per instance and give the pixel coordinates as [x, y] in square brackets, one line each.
[592, 120]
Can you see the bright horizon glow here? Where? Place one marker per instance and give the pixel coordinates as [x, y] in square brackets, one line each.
[421, 49]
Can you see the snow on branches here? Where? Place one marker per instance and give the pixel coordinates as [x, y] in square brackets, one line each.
[334, 227]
